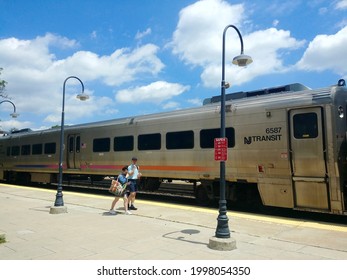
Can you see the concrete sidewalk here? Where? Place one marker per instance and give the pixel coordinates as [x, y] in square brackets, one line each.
[156, 231]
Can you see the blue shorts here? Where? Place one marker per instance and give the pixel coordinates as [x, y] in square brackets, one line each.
[133, 186]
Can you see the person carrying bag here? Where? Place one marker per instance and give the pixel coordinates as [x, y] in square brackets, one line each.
[119, 189]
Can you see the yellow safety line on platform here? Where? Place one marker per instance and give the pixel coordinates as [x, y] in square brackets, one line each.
[255, 217]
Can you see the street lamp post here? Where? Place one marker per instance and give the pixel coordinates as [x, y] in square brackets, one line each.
[222, 230]
[14, 114]
[59, 202]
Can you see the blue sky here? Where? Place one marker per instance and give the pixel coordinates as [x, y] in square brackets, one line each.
[139, 57]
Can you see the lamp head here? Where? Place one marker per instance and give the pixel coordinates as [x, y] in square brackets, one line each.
[82, 96]
[14, 115]
[242, 60]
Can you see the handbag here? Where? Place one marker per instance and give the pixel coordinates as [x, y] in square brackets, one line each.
[117, 188]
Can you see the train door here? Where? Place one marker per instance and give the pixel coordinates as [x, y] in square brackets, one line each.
[308, 158]
[74, 151]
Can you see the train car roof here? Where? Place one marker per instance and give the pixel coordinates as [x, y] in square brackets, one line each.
[288, 95]
[257, 93]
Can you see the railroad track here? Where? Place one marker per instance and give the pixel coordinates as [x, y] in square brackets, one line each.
[166, 188]
[182, 193]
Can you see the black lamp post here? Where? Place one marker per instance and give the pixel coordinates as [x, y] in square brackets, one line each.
[14, 114]
[222, 230]
[59, 196]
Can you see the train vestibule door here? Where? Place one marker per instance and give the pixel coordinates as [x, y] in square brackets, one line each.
[74, 151]
[308, 158]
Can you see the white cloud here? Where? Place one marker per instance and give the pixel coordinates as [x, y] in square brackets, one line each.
[32, 54]
[282, 7]
[121, 66]
[94, 35]
[35, 76]
[80, 109]
[139, 35]
[197, 40]
[326, 52]
[266, 47]
[172, 105]
[342, 23]
[341, 5]
[7, 123]
[275, 22]
[155, 92]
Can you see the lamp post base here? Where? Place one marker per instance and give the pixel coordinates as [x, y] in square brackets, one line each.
[222, 244]
[58, 210]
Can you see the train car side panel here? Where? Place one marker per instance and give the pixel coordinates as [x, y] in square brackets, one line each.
[289, 148]
[261, 153]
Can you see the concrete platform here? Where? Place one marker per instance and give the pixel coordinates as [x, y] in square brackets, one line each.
[156, 231]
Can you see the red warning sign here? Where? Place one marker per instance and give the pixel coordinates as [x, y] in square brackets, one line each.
[221, 149]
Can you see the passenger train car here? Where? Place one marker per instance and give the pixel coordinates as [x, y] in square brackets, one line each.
[286, 148]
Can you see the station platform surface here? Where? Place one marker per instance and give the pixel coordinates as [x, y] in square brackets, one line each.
[156, 231]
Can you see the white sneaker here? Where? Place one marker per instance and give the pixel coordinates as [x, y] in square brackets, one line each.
[112, 212]
[128, 212]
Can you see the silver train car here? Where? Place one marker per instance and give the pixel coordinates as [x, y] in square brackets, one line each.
[286, 148]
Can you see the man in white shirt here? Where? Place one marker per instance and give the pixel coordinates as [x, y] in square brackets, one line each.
[133, 176]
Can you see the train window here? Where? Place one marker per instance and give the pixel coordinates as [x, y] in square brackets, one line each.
[123, 143]
[71, 144]
[25, 150]
[305, 125]
[207, 137]
[180, 140]
[78, 144]
[15, 150]
[149, 141]
[101, 145]
[8, 152]
[37, 149]
[50, 148]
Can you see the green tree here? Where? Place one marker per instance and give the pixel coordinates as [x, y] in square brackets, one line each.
[2, 86]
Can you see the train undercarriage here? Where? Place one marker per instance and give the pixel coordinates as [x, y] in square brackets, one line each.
[205, 192]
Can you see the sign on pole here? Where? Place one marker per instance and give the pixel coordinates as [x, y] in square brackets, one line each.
[221, 149]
